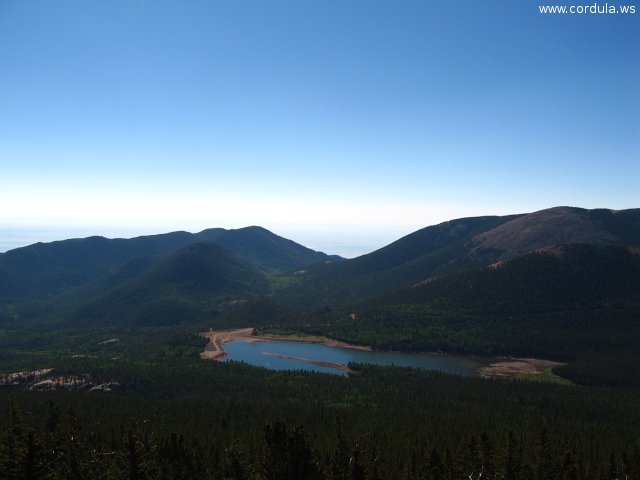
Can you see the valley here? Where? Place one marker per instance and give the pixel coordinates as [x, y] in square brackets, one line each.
[434, 345]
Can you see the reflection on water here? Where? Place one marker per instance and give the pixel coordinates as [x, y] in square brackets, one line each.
[263, 354]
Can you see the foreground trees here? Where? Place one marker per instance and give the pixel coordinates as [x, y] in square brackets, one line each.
[63, 447]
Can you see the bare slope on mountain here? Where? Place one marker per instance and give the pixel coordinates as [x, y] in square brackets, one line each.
[561, 225]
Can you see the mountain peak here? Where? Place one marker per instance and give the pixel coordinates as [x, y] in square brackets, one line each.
[557, 225]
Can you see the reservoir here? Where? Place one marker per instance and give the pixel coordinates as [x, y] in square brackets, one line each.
[300, 356]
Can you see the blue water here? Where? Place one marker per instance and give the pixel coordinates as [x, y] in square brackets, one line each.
[255, 353]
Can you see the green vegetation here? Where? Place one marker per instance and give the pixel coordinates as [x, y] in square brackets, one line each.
[173, 412]
[123, 315]
[579, 305]
[546, 376]
[431, 251]
[43, 283]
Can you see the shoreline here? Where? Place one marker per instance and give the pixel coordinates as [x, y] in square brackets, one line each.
[507, 368]
[337, 366]
[513, 367]
[214, 349]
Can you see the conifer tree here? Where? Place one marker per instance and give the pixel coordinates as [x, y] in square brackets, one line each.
[340, 458]
[512, 459]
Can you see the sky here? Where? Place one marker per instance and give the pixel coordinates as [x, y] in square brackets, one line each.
[342, 124]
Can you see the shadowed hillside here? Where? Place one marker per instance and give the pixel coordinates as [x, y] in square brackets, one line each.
[187, 286]
[566, 302]
[47, 269]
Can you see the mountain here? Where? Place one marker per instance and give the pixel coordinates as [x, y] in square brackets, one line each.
[539, 302]
[456, 246]
[181, 276]
[561, 225]
[47, 269]
[189, 285]
[264, 250]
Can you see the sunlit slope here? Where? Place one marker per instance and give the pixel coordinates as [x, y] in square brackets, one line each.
[456, 246]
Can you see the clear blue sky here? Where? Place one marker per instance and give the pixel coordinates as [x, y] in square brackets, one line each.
[339, 123]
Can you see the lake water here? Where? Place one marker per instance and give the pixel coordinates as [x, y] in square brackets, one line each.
[258, 353]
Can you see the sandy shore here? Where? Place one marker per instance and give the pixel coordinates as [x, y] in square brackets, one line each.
[338, 366]
[214, 350]
[513, 367]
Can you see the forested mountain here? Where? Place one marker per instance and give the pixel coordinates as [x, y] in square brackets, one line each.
[155, 279]
[117, 280]
[184, 287]
[262, 249]
[561, 225]
[46, 269]
[117, 321]
[456, 246]
[556, 302]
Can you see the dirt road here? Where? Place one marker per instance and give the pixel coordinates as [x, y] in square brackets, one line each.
[214, 350]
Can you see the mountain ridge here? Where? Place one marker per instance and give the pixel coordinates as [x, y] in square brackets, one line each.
[60, 276]
[558, 225]
[46, 269]
[455, 246]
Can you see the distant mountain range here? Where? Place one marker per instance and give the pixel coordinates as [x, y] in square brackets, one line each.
[485, 284]
[60, 277]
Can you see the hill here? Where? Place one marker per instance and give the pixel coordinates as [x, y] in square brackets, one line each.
[574, 302]
[43, 270]
[184, 287]
[47, 281]
[532, 296]
[456, 246]
[561, 226]
[264, 250]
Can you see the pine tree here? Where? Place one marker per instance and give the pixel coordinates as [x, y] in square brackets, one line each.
[357, 469]
[471, 464]
[34, 464]
[340, 458]
[12, 443]
[612, 469]
[544, 467]
[487, 460]
[435, 469]
[287, 454]
[512, 460]
[134, 459]
[569, 470]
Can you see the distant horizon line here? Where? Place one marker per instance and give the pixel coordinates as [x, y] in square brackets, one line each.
[348, 241]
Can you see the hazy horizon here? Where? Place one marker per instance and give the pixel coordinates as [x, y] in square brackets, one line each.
[361, 121]
[347, 242]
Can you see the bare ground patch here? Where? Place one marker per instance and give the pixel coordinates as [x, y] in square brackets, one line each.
[509, 367]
